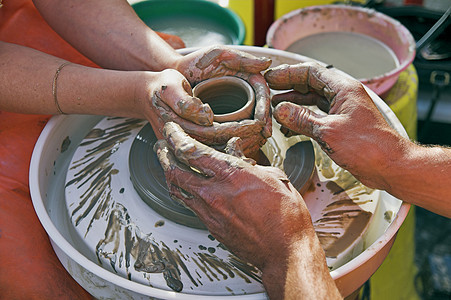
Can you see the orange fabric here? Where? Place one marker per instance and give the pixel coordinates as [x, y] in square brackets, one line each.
[29, 268]
[21, 23]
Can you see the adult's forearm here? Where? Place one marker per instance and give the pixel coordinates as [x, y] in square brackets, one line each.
[27, 78]
[302, 275]
[421, 176]
[109, 33]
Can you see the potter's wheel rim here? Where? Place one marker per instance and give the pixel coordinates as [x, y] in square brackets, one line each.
[39, 185]
[365, 257]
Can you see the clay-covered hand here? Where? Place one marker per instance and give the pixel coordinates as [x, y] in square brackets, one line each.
[167, 96]
[253, 210]
[352, 130]
[224, 61]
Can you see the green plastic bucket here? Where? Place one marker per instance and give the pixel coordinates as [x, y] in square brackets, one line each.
[197, 22]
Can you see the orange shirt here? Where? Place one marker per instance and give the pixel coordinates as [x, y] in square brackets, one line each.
[29, 268]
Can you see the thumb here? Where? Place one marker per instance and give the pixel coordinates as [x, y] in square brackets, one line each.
[298, 119]
[184, 104]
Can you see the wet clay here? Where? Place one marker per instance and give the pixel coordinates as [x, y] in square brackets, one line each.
[151, 256]
[230, 98]
[359, 55]
[342, 221]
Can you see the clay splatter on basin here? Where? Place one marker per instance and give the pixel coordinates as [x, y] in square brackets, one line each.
[104, 215]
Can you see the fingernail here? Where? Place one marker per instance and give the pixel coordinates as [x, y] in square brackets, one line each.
[206, 117]
[282, 112]
[266, 60]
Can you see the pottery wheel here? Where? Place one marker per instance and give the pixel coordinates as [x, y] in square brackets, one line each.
[150, 183]
[120, 215]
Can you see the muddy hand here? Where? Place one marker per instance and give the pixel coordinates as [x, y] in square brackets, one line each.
[352, 131]
[254, 132]
[253, 210]
[223, 61]
[219, 61]
[167, 95]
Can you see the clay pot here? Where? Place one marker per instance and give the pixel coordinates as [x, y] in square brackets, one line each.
[230, 98]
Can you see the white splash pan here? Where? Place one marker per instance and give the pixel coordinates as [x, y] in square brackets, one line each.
[47, 179]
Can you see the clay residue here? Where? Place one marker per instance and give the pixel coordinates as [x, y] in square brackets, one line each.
[123, 245]
[342, 221]
[65, 144]
[340, 176]
[153, 256]
[353, 221]
[159, 223]
[96, 170]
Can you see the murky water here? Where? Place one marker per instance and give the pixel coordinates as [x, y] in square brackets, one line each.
[359, 55]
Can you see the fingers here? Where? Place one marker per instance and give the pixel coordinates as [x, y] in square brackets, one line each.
[191, 167]
[235, 147]
[218, 133]
[204, 159]
[178, 174]
[233, 59]
[219, 61]
[179, 177]
[180, 99]
[262, 110]
[303, 77]
[298, 119]
[245, 62]
[286, 77]
[302, 99]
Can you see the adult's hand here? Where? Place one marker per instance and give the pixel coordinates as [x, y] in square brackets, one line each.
[224, 61]
[353, 132]
[356, 136]
[253, 210]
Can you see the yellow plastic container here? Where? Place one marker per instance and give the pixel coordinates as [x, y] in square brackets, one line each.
[402, 99]
[245, 10]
